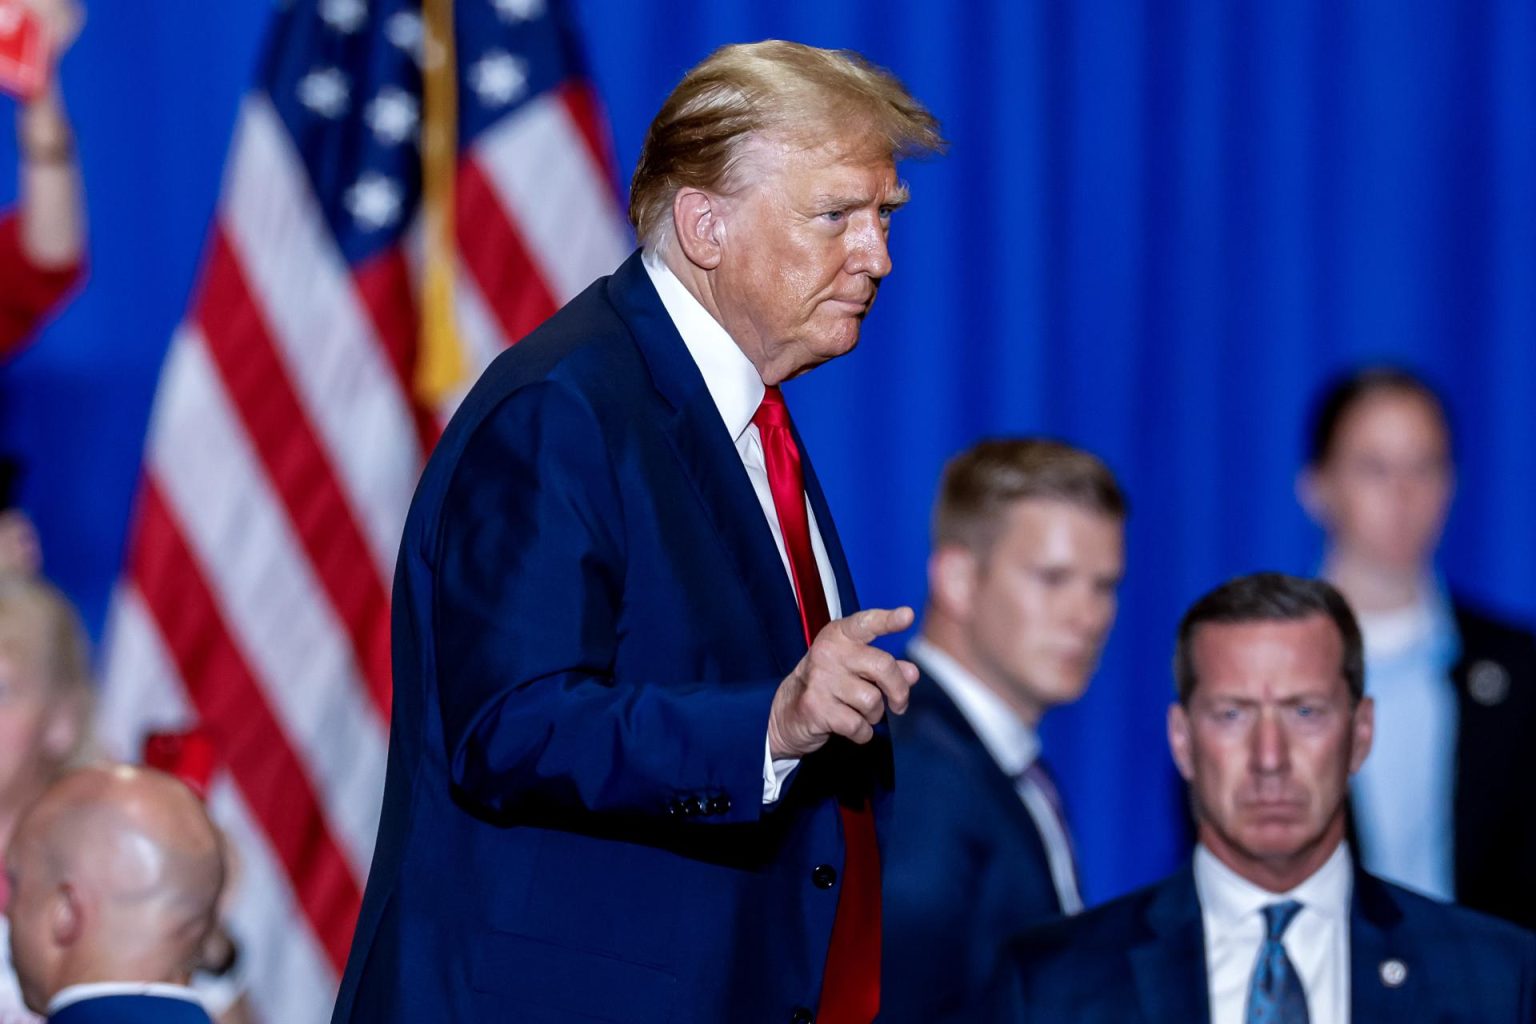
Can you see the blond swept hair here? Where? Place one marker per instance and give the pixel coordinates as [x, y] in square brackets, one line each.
[981, 483]
[794, 93]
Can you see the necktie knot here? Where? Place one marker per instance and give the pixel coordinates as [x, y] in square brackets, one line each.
[1278, 917]
[1036, 772]
[772, 413]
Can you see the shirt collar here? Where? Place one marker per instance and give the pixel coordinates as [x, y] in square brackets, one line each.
[1229, 897]
[71, 994]
[732, 380]
[1013, 744]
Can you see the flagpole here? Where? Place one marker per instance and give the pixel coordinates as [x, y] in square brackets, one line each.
[440, 363]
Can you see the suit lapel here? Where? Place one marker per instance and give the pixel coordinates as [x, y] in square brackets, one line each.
[1384, 975]
[929, 699]
[1169, 964]
[711, 462]
[834, 545]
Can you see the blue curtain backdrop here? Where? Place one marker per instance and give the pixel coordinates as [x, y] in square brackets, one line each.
[1160, 226]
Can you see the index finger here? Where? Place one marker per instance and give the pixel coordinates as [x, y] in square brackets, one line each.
[867, 625]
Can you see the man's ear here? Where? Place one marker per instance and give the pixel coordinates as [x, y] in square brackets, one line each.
[697, 219]
[1179, 740]
[1363, 733]
[66, 917]
[952, 573]
[1312, 495]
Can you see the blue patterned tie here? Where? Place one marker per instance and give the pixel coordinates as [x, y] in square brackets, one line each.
[1276, 995]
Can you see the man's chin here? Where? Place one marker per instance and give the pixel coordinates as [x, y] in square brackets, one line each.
[835, 343]
[1277, 838]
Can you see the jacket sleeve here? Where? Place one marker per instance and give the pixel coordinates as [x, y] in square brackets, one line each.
[527, 616]
[28, 292]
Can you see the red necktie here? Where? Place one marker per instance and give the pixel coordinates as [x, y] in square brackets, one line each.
[850, 988]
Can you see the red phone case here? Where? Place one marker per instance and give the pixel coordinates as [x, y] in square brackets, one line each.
[23, 50]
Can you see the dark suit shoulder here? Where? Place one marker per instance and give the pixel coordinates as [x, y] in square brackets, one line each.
[1449, 923]
[1487, 633]
[933, 730]
[586, 345]
[131, 1009]
[1113, 925]
[1090, 969]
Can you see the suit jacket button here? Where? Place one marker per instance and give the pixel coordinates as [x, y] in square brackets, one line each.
[693, 807]
[824, 877]
[675, 808]
[719, 805]
[801, 1016]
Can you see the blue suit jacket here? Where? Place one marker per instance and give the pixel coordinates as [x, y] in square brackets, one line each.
[965, 868]
[131, 1010]
[1141, 960]
[591, 619]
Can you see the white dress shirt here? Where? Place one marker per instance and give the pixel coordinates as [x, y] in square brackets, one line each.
[1015, 746]
[737, 390]
[1404, 794]
[94, 990]
[12, 1009]
[1317, 941]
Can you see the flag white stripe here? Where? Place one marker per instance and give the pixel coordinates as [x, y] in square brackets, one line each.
[143, 691]
[278, 615]
[322, 332]
[291, 976]
[545, 178]
[478, 330]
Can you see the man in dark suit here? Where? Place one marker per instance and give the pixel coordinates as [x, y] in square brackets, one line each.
[1273, 923]
[115, 873]
[1028, 551]
[638, 749]
[1444, 804]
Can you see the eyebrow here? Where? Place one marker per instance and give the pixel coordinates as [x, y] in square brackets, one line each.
[833, 201]
[1311, 697]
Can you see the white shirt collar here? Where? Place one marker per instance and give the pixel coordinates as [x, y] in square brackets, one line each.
[1228, 897]
[732, 380]
[1013, 743]
[71, 994]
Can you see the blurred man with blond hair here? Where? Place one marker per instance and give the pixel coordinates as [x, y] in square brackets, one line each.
[1028, 553]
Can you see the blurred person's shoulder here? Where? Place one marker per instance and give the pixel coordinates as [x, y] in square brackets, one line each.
[1483, 628]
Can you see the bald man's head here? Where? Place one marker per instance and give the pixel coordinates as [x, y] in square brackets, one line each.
[116, 873]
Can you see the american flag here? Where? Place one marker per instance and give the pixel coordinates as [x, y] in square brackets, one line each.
[287, 431]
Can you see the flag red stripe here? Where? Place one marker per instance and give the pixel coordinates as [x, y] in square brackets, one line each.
[388, 295]
[241, 346]
[497, 257]
[232, 705]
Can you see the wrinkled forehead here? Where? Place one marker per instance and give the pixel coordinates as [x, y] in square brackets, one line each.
[777, 156]
[1269, 660]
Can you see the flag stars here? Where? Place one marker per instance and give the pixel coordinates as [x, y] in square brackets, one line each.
[373, 201]
[514, 11]
[345, 16]
[326, 92]
[403, 29]
[498, 78]
[392, 116]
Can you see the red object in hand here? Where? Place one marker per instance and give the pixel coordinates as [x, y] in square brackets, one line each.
[190, 756]
[23, 50]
